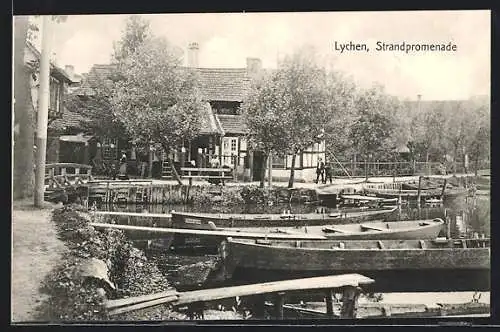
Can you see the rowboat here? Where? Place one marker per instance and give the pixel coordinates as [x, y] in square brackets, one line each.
[201, 220]
[357, 200]
[396, 265]
[412, 229]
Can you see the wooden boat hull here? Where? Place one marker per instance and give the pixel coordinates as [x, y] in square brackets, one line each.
[400, 230]
[201, 220]
[378, 230]
[393, 269]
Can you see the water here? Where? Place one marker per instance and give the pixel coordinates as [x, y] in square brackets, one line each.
[468, 217]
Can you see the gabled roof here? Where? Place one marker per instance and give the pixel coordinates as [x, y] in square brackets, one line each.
[232, 124]
[57, 72]
[68, 120]
[216, 84]
[98, 73]
[210, 124]
[223, 84]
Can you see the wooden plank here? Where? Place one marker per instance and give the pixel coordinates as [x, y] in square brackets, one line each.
[205, 169]
[328, 282]
[207, 176]
[142, 305]
[219, 233]
[110, 304]
[133, 214]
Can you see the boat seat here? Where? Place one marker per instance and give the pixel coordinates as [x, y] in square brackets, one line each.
[366, 227]
[262, 217]
[332, 230]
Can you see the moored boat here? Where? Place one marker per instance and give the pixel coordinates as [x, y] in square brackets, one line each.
[396, 265]
[201, 220]
[411, 229]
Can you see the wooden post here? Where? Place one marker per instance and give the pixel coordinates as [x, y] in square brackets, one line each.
[270, 169]
[444, 188]
[329, 302]
[366, 169]
[235, 165]
[349, 302]
[448, 226]
[43, 111]
[150, 161]
[354, 166]
[278, 305]
[419, 193]
[260, 306]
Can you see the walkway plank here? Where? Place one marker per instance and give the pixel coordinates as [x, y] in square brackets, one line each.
[328, 282]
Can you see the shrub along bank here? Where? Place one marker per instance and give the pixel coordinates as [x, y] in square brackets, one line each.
[74, 296]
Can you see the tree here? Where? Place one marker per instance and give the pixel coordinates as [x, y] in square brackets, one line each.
[25, 29]
[23, 114]
[287, 112]
[426, 131]
[342, 97]
[97, 109]
[137, 30]
[372, 133]
[479, 143]
[156, 99]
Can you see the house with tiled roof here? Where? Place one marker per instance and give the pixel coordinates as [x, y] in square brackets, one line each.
[223, 131]
[59, 83]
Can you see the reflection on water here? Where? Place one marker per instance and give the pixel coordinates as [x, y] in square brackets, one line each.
[467, 215]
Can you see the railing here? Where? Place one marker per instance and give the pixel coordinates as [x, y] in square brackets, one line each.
[401, 168]
[61, 175]
[219, 174]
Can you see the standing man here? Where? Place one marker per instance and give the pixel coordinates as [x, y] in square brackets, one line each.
[320, 171]
[328, 172]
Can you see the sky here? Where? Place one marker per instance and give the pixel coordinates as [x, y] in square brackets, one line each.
[227, 39]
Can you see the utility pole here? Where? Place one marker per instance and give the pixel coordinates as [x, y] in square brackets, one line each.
[43, 111]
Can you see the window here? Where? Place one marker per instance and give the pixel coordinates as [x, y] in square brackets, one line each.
[55, 97]
[234, 145]
[278, 162]
[109, 149]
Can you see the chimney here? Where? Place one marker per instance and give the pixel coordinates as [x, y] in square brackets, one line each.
[419, 99]
[70, 70]
[193, 55]
[254, 66]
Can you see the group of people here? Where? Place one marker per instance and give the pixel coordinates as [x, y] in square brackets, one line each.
[323, 170]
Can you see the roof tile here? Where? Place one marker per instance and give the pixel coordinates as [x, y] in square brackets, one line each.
[232, 124]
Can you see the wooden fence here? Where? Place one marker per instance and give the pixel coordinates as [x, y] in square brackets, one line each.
[398, 168]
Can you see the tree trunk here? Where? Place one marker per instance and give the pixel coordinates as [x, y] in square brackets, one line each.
[427, 163]
[172, 166]
[292, 172]
[263, 171]
[23, 115]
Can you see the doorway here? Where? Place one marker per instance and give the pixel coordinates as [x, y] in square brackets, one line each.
[258, 158]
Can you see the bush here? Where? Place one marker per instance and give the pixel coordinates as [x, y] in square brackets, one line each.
[73, 299]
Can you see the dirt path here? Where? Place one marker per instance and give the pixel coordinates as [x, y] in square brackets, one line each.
[35, 251]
